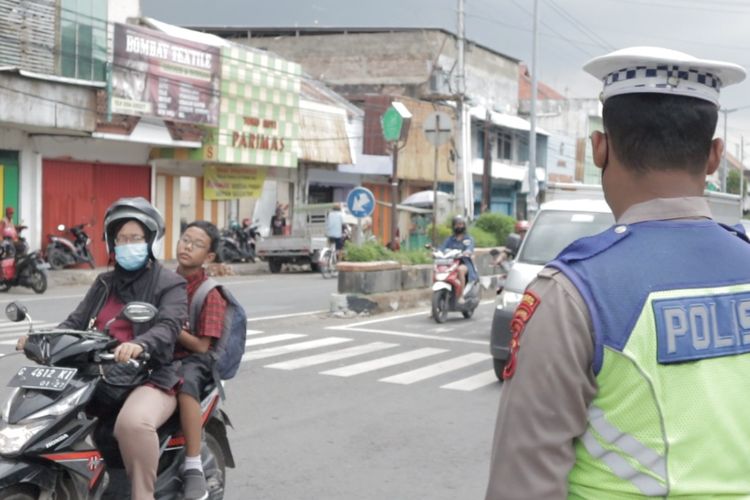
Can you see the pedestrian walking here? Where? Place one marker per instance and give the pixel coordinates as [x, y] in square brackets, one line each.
[630, 362]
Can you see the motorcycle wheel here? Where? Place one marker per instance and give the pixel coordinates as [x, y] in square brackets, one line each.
[90, 258]
[56, 258]
[214, 467]
[440, 306]
[38, 281]
[498, 365]
[19, 492]
[226, 254]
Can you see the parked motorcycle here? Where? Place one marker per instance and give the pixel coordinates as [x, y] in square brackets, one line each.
[447, 288]
[19, 267]
[238, 244]
[47, 432]
[61, 252]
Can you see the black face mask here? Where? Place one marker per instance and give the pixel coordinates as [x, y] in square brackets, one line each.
[459, 230]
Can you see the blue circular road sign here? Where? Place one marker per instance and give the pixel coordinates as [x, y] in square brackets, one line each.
[361, 202]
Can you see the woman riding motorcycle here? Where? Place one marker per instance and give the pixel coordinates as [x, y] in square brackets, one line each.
[133, 229]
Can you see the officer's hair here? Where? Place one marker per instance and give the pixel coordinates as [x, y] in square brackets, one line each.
[210, 230]
[660, 131]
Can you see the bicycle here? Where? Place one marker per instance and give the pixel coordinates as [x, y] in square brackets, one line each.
[328, 261]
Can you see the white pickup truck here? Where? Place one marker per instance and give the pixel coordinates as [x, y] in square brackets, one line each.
[571, 211]
[304, 244]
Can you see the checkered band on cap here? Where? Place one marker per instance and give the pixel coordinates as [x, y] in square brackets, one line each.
[664, 79]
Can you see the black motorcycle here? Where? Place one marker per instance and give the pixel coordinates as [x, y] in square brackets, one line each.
[237, 245]
[21, 267]
[48, 426]
[61, 252]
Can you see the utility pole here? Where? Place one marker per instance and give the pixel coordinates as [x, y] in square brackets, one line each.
[487, 172]
[531, 205]
[461, 150]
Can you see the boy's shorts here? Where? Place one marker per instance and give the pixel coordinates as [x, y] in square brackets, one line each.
[197, 371]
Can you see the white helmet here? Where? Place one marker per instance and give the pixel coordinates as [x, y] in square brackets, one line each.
[138, 209]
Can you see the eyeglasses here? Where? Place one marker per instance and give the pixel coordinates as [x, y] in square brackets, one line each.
[187, 242]
[130, 238]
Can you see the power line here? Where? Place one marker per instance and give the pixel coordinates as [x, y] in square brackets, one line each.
[588, 33]
[574, 45]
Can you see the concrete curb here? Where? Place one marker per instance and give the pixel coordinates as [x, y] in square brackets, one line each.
[85, 277]
[348, 305]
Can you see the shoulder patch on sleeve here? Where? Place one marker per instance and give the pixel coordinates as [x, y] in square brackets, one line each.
[523, 314]
[589, 246]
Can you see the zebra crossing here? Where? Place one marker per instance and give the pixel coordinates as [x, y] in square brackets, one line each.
[326, 354]
[440, 361]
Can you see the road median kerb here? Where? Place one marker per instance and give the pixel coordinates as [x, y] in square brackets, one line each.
[72, 277]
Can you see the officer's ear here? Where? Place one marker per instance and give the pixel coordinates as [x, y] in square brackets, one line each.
[600, 149]
[714, 156]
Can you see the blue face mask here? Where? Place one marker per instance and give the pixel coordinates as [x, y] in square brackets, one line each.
[132, 256]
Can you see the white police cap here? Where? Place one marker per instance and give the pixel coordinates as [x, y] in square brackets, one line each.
[656, 70]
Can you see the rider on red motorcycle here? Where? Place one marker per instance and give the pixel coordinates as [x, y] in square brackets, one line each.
[461, 240]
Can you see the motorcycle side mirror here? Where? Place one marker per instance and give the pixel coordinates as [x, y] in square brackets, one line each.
[61, 227]
[16, 312]
[139, 312]
[135, 312]
[428, 246]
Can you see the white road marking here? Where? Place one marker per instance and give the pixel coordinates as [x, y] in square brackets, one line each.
[416, 335]
[273, 338]
[285, 349]
[381, 320]
[326, 357]
[24, 300]
[290, 315]
[377, 364]
[254, 332]
[22, 325]
[437, 369]
[474, 382]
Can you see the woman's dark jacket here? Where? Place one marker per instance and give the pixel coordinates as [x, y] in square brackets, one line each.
[164, 289]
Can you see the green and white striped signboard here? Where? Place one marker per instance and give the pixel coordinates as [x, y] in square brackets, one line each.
[259, 114]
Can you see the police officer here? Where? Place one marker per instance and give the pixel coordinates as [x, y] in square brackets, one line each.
[461, 240]
[630, 364]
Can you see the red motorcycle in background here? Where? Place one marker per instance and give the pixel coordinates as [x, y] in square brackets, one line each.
[61, 252]
[19, 267]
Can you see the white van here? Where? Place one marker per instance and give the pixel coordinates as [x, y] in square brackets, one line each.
[556, 225]
[574, 212]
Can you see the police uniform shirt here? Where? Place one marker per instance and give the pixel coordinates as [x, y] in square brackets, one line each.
[544, 406]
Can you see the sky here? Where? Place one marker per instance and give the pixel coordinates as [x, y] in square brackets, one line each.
[570, 32]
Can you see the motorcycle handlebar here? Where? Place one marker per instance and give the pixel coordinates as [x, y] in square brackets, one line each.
[142, 358]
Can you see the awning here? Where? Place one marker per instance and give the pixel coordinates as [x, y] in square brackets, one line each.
[507, 171]
[322, 134]
[503, 120]
[370, 165]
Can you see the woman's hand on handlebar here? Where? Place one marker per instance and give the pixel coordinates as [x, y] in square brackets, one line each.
[21, 343]
[127, 351]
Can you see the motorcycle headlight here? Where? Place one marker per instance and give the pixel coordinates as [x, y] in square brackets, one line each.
[510, 300]
[441, 276]
[14, 437]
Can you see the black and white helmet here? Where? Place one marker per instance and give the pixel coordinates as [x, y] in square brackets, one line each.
[141, 210]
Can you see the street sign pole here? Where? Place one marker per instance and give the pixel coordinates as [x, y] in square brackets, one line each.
[394, 198]
[438, 129]
[434, 189]
[395, 123]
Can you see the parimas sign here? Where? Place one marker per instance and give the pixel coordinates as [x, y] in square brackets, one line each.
[259, 119]
[224, 182]
[154, 74]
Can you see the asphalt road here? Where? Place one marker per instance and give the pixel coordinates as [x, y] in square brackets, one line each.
[387, 407]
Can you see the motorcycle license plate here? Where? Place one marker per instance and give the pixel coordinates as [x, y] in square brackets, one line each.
[43, 265]
[51, 378]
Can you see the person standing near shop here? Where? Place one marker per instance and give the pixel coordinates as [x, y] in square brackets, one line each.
[630, 359]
